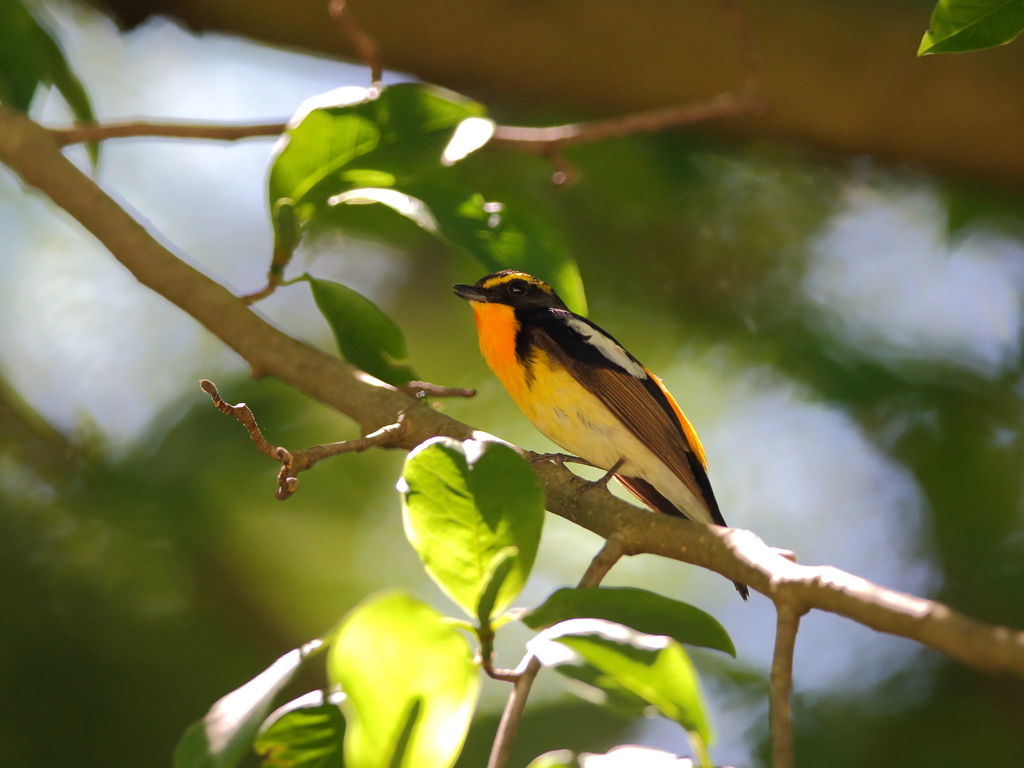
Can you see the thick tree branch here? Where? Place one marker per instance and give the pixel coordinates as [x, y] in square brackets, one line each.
[33, 153]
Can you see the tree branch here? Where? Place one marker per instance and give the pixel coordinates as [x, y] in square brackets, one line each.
[34, 154]
[610, 554]
[99, 132]
[547, 140]
[781, 716]
[293, 462]
[364, 43]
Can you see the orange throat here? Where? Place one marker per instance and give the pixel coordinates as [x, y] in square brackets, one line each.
[496, 326]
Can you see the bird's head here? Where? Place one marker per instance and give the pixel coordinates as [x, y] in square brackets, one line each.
[511, 288]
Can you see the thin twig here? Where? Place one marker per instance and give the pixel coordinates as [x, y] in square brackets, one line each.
[365, 44]
[243, 414]
[545, 140]
[420, 389]
[513, 713]
[603, 561]
[486, 636]
[99, 132]
[750, 59]
[781, 715]
[293, 462]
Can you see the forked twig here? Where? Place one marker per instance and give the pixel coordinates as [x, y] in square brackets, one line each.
[293, 462]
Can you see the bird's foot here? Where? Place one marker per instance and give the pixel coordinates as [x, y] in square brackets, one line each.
[558, 458]
[601, 482]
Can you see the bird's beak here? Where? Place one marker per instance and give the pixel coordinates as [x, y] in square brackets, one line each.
[468, 292]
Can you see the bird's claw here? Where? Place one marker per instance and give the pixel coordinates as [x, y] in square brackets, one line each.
[558, 458]
[601, 482]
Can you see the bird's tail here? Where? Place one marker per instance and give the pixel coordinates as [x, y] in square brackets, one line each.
[650, 496]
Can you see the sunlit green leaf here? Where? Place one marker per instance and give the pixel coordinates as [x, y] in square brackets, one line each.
[494, 579]
[628, 669]
[970, 25]
[352, 137]
[637, 609]
[304, 733]
[366, 336]
[225, 734]
[465, 502]
[410, 682]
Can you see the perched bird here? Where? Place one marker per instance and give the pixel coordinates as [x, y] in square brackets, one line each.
[587, 394]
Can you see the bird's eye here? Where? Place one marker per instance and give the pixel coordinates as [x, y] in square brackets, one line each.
[517, 288]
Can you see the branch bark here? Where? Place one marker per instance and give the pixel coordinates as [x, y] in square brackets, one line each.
[34, 154]
[781, 715]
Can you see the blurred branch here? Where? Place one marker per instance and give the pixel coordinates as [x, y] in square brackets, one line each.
[780, 712]
[34, 154]
[99, 132]
[544, 141]
[293, 462]
[610, 554]
[364, 43]
[550, 141]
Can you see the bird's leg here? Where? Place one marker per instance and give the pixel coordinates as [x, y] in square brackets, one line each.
[558, 458]
[601, 482]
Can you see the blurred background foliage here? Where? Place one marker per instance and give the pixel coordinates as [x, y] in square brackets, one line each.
[845, 334]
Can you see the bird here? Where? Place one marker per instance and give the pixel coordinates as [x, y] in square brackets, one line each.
[583, 391]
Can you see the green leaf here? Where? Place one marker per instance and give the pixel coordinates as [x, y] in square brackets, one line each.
[497, 572]
[225, 734]
[501, 236]
[629, 670]
[352, 137]
[463, 503]
[637, 609]
[367, 337]
[304, 733]
[409, 679]
[559, 758]
[29, 56]
[970, 25]
[497, 236]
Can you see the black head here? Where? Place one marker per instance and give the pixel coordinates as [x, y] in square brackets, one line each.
[516, 289]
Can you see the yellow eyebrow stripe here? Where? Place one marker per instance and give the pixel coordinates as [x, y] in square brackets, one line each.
[501, 279]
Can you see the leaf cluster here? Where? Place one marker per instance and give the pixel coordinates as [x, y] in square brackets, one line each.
[403, 680]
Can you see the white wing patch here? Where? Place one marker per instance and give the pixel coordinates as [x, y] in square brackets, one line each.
[607, 347]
